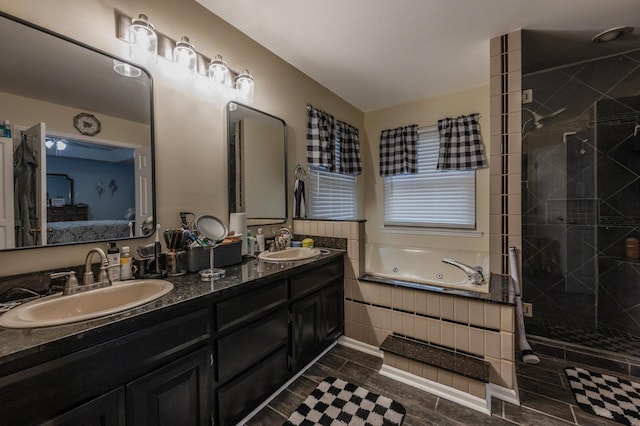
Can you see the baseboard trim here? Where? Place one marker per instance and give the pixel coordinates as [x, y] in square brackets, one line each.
[446, 392]
[360, 346]
[283, 387]
[505, 394]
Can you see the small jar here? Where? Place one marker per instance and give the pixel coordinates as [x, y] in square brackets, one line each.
[632, 248]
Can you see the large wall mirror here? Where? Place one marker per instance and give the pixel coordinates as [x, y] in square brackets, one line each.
[257, 165]
[78, 166]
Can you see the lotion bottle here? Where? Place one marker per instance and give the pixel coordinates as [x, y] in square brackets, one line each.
[126, 266]
[113, 255]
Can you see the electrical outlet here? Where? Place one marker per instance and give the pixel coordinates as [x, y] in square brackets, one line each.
[527, 96]
[527, 309]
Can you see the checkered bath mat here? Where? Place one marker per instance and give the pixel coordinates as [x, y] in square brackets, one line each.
[336, 402]
[606, 396]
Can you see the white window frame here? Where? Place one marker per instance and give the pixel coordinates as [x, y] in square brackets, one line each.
[431, 198]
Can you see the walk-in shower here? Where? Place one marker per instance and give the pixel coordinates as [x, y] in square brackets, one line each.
[581, 200]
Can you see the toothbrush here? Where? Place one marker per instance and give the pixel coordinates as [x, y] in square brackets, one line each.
[157, 249]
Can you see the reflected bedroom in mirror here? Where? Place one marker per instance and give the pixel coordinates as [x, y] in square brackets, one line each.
[76, 145]
[257, 147]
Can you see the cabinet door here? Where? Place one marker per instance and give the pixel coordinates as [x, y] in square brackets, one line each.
[333, 304]
[106, 410]
[306, 329]
[177, 394]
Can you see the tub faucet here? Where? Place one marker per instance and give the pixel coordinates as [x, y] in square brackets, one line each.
[474, 273]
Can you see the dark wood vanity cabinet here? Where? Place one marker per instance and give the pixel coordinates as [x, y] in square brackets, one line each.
[317, 312]
[270, 333]
[82, 381]
[210, 361]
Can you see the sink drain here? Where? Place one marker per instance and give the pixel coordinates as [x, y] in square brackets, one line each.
[439, 276]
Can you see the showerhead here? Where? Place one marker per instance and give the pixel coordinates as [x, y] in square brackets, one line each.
[539, 119]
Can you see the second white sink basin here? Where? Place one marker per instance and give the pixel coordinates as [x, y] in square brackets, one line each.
[289, 255]
[58, 309]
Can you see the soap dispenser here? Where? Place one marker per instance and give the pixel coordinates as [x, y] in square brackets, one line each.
[113, 255]
[260, 240]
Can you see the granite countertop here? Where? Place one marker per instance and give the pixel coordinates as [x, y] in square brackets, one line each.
[15, 343]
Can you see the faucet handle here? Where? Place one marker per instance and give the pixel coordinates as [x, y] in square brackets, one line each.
[71, 280]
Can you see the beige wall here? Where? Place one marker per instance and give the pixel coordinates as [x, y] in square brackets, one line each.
[190, 127]
[26, 112]
[425, 112]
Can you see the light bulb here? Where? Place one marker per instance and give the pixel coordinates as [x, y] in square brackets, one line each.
[219, 71]
[245, 87]
[184, 55]
[143, 40]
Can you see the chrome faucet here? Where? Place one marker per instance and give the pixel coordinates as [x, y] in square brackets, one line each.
[103, 276]
[474, 273]
[72, 286]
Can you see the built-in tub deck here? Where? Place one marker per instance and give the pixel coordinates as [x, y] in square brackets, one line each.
[500, 289]
[433, 270]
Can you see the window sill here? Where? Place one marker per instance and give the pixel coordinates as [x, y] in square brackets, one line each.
[444, 232]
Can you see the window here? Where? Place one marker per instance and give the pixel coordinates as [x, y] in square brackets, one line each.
[430, 198]
[332, 195]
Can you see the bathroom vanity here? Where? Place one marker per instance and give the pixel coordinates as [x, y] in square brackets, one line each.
[206, 353]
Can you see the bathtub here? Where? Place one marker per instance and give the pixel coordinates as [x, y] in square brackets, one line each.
[423, 266]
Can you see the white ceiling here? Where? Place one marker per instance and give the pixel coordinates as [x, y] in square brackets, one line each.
[382, 53]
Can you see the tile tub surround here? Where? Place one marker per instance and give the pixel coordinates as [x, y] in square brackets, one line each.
[484, 327]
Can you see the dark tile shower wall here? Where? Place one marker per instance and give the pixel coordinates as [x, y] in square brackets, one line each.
[581, 196]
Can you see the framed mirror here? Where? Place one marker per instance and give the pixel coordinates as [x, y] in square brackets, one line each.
[257, 149]
[60, 189]
[81, 148]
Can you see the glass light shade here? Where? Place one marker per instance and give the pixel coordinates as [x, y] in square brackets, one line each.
[219, 71]
[48, 143]
[60, 145]
[245, 87]
[126, 70]
[143, 40]
[184, 55]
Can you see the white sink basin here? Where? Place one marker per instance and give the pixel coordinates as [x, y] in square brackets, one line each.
[289, 255]
[58, 309]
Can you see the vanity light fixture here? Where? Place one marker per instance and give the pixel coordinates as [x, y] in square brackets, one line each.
[219, 71]
[143, 40]
[145, 45]
[184, 55]
[245, 87]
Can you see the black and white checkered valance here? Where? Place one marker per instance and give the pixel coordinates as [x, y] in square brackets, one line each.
[328, 140]
[349, 149]
[320, 139]
[460, 143]
[398, 153]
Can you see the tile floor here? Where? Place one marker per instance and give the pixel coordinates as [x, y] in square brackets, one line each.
[544, 393]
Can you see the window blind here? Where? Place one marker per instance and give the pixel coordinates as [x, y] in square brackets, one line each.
[430, 198]
[331, 195]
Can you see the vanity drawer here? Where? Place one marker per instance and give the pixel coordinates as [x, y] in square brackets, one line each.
[310, 281]
[250, 305]
[243, 348]
[237, 398]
